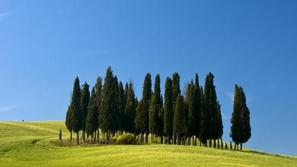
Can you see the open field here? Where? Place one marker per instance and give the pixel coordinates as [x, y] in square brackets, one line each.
[30, 144]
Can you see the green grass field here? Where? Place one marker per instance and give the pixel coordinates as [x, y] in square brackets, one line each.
[31, 144]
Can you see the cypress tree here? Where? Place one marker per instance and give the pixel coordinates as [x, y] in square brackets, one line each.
[122, 104]
[168, 112]
[130, 108]
[109, 109]
[191, 115]
[175, 87]
[76, 120]
[68, 121]
[143, 110]
[235, 120]
[92, 116]
[210, 113]
[219, 123]
[179, 120]
[197, 106]
[139, 122]
[98, 96]
[240, 129]
[155, 109]
[84, 102]
[204, 121]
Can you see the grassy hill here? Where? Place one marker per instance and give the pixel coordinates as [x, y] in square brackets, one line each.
[30, 144]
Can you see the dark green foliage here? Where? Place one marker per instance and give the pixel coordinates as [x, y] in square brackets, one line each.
[240, 128]
[122, 104]
[142, 115]
[139, 122]
[98, 95]
[76, 120]
[219, 123]
[179, 119]
[193, 108]
[168, 112]
[92, 116]
[197, 106]
[109, 109]
[236, 120]
[84, 102]
[175, 87]
[204, 120]
[155, 109]
[130, 108]
[68, 121]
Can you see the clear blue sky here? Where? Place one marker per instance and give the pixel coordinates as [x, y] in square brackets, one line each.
[45, 44]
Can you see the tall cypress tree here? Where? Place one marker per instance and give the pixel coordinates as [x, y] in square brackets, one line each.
[130, 108]
[179, 120]
[175, 87]
[210, 100]
[76, 121]
[142, 122]
[219, 123]
[168, 112]
[98, 95]
[236, 120]
[92, 116]
[84, 102]
[122, 104]
[246, 127]
[109, 110]
[155, 109]
[240, 128]
[197, 106]
[191, 116]
[68, 121]
[204, 120]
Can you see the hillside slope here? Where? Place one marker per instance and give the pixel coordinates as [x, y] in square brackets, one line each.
[29, 144]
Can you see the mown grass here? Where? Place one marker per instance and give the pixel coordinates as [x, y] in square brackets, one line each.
[33, 144]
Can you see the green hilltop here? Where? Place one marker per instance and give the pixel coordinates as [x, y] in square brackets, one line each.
[35, 144]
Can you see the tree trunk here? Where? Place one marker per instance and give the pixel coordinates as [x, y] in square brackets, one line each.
[98, 135]
[161, 139]
[240, 146]
[77, 138]
[70, 136]
[84, 136]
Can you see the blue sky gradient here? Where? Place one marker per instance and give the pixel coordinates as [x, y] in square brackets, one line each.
[45, 44]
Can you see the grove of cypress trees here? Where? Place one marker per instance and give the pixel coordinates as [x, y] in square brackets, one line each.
[84, 102]
[76, 120]
[168, 112]
[179, 119]
[92, 116]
